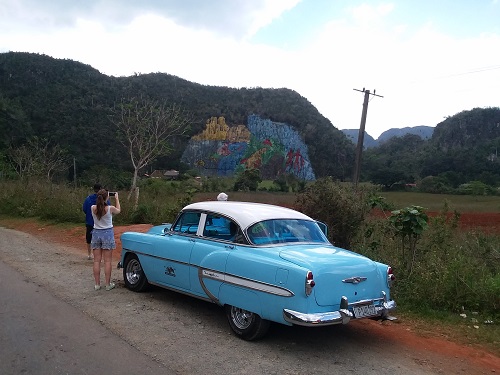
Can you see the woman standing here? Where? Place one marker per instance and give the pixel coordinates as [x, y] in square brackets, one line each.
[103, 236]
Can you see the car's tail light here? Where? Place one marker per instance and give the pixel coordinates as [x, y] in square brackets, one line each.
[309, 283]
[390, 276]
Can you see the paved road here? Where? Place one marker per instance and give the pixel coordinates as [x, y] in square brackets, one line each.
[40, 334]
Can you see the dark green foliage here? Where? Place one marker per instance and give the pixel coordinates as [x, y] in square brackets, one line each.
[409, 224]
[281, 184]
[340, 206]
[108, 176]
[248, 180]
[435, 185]
[141, 215]
[394, 161]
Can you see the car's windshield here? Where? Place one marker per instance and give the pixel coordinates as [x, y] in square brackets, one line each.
[285, 230]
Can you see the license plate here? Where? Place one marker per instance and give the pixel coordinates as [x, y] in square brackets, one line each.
[364, 311]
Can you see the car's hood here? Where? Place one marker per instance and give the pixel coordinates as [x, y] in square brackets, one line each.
[159, 229]
[333, 268]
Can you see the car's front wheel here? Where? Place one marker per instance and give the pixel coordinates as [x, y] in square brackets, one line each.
[247, 325]
[133, 274]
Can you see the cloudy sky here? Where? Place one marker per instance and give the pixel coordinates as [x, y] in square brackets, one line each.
[429, 59]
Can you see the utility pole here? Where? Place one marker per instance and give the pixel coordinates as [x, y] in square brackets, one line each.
[361, 135]
[74, 171]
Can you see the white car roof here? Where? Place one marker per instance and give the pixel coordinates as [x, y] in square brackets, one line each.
[247, 213]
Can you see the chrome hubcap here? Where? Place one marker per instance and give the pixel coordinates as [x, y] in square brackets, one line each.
[133, 272]
[241, 318]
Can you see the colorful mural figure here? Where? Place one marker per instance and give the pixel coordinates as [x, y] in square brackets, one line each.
[273, 148]
[294, 161]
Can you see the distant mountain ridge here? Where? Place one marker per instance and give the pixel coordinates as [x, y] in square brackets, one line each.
[424, 132]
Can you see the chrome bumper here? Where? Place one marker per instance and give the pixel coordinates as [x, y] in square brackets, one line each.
[342, 316]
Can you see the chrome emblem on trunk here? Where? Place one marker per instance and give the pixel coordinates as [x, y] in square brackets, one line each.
[354, 280]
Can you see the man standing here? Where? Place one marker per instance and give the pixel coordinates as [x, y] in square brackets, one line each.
[89, 221]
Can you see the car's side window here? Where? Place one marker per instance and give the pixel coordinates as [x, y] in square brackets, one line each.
[187, 223]
[222, 228]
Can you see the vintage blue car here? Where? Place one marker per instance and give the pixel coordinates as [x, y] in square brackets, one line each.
[262, 263]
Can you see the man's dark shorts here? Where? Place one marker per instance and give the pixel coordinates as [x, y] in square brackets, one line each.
[88, 235]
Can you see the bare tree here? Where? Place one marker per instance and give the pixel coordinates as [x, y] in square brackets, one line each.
[21, 159]
[52, 159]
[37, 157]
[145, 128]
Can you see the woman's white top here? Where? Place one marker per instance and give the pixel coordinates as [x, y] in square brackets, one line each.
[106, 220]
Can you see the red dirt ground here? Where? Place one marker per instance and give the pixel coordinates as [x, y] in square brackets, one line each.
[425, 340]
[487, 221]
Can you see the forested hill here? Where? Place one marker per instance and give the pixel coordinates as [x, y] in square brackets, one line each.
[463, 148]
[69, 103]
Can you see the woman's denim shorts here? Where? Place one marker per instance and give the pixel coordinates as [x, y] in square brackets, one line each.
[103, 239]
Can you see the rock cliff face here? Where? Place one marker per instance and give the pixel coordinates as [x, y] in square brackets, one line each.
[272, 147]
[468, 130]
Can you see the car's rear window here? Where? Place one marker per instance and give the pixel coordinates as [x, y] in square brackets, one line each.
[285, 230]
[187, 223]
[222, 228]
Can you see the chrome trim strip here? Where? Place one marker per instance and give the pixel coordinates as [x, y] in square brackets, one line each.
[243, 282]
[205, 289]
[355, 279]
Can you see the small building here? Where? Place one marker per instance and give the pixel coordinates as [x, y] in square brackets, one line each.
[171, 174]
[157, 173]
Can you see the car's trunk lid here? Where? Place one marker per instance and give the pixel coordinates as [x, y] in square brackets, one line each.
[337, 273]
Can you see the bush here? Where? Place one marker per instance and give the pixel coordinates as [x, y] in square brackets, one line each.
[452, 270]
[341, 206]
[434, 185]
[248, 180]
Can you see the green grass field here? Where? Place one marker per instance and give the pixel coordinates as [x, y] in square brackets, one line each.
[435, 202]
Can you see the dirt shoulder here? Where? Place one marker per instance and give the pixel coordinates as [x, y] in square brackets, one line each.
[178, 319]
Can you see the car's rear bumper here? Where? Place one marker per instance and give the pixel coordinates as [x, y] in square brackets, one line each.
[342, 316]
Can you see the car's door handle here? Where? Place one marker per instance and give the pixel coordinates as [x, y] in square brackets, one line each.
[229, 246]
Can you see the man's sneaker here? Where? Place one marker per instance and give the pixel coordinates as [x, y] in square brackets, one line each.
[97, 287]
[110, 286]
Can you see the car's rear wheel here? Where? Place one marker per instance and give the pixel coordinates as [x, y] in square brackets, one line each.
[247, 325]
[133, 274]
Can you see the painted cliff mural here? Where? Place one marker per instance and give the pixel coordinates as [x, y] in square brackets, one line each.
[272, 147]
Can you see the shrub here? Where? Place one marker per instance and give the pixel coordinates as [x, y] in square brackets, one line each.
[248, 180]
[341, 206]
[452, 270]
